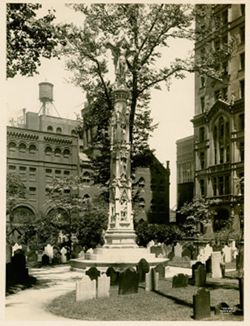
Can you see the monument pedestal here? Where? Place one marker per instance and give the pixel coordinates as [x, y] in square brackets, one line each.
[119, 257]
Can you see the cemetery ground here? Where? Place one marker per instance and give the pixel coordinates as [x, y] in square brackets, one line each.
[54, 297]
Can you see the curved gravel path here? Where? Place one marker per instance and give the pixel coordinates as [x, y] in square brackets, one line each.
[30, 304]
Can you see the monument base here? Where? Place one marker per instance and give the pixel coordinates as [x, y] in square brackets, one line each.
[118, 257]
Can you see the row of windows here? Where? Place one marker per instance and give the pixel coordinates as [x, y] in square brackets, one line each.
[57, 171]
[57, 151]
[58, 130]
[22, 168]
[22, 147]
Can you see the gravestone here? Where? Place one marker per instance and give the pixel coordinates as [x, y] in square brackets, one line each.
[88, 253]
[142, 268]
[209, 265]
[48, 250]
[32, 256]
[227, 251]
[160, 268]
[186, 252]
[113, 274]
[93, 273]
[45, 260]
[200, 276]
[166, 249]
[179, 281]
[201, 304]
[216, 260]
[18, 266]
[155, 280]
[240, 261]
[148, 281]
[157, 250]
[194, 268]
[85, 289]
[208, 251]
[56, 256]
[128, 281]
[150, 244]
[63, 255]
[81, 254]
[15, 248]
[103, 286]
[178, 250]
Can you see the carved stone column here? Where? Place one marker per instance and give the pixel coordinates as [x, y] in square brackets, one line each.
[120, 232]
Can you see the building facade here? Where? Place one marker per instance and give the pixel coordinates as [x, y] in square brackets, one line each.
[185, 170]
[219, 114]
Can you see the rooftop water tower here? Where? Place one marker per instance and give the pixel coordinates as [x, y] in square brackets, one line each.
[46, 96]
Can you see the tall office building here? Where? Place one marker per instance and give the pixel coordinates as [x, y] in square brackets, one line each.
[219, 113]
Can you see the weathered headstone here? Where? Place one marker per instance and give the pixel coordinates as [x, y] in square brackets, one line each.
[128, 281]
[160, 268]
[148, 281]
[142, 268]
[155, 280]
[194, 268]
[81, 254]
[63, 255]
[45, 260]
[85, 289]
[157, 250]
[18, 265]
[113, 274]
[103, 286]
[216, 260]
[179, 281]
[93, 273]
[201, 304]
[200, 276]
[88, 253]
[150, 244]
[208, 251]
[186, 252]
[15, 248]
[48, 250]
[227, 251]
[178, 250]
[209, 265]
[166, 249]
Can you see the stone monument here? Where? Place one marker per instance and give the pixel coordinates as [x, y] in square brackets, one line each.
[120, 248]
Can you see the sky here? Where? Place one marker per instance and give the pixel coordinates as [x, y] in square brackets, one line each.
[171, 109]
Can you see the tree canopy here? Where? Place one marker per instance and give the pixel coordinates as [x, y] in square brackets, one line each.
[29, 38]
[143, 30]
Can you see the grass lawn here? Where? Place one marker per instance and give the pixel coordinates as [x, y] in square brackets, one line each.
[167, 304]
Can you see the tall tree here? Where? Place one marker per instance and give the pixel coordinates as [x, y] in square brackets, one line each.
[143, 30]
[29, 38]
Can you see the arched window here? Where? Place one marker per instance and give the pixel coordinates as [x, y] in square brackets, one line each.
[58, 151]
[58, 130]
[22, 147]
[32, 148]
[49, 128]
[73, 132]
[12, 146]
[48, 150]
[66, 152]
